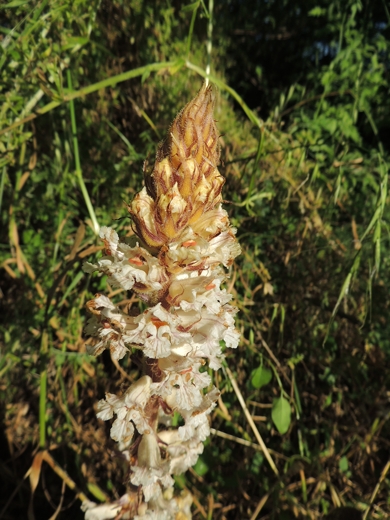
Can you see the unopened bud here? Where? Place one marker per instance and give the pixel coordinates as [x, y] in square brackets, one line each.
[149, 452]
[185, 181]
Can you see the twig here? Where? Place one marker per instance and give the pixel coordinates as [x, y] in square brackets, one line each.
[251, 422]
[63, 475]
[274, 359]
[259, 507]
[244, 442]
[199, 506]
[16, 490]
[376, 490]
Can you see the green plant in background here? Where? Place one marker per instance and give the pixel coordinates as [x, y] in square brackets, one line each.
[303, 111]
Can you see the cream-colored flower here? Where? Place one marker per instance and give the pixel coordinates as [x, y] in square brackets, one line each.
[108, 324]
[95, 511]
[128, 267]
[152, 473]
[182, 454]
[184, 238]
[130, 411]
[182, 390]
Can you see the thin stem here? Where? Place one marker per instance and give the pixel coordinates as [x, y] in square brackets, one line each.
[191, 31]
[209, 44]
[2, 182]
[79, 172]
[42, 393]
[108, 82]
[377, 488]
[251, 422]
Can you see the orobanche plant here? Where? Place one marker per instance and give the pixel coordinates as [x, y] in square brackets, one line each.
[174, 264]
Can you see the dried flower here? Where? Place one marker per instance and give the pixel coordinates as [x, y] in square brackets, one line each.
[184, 239]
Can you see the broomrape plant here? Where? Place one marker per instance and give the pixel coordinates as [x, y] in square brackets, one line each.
[174, 264]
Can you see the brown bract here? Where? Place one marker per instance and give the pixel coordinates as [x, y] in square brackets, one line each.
[185, 182]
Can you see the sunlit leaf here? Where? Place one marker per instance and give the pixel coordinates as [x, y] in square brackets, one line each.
[15, 3]
[261, 376]
[281, 414]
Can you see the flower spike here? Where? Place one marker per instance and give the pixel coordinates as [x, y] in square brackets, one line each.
[184, 240]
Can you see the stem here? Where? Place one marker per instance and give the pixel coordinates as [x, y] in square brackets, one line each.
[79, 173]
[109, 82]
[42, 393]
[251, 422]
[209, 44]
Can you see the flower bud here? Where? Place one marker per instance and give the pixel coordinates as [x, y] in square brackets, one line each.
[185, 181]
[149, 452]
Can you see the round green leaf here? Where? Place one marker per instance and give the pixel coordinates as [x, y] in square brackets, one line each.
[261, 376]
[281, 414]
[201, 468]
[343, 464]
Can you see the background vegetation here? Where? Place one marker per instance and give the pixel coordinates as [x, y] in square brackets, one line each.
[88, 88]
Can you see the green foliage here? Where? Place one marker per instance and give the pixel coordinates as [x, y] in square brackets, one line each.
[88, 89]
[281, 414]
[261, 376]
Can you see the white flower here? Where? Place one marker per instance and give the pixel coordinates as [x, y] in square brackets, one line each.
[108, 323]
[100, 512]
[195, 292]
[95, 511]
[193, 252]
[211, 223]
[224, 248]
[187, 239]
[156, 514]
[128, 267]
[182, 390]
[152, 472]
[207, 329]
[196, 422]
[109, 338]
[183, 454]
[130, 411]
[156, 331]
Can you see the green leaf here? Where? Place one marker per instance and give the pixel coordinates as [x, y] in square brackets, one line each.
[201, 468]
[343, 464]
[59, 358]
[261, 376]
[317, 11]
[176, 66]
[145, 76]
[15, 3]
[96, 492]
[190, 7]
[73, 41]
[281, 414]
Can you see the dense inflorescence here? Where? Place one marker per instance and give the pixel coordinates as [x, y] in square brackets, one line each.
[183, 238]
